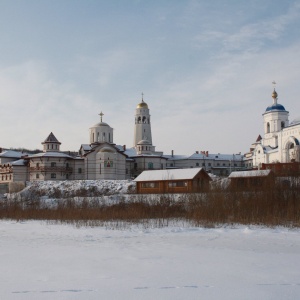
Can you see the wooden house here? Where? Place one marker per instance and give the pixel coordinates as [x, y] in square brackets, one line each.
[191, 180]
[247, 180]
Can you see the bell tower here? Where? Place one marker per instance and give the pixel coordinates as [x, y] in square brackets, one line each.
[275, 119]
[142, 129]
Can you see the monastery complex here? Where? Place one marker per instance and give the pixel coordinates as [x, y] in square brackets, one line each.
[103, 159]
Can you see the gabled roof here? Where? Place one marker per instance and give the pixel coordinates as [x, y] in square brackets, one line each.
[51, 139]
[247, 174]
[258, 138]
[170, 174]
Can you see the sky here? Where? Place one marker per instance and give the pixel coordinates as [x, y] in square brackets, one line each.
[205, 68]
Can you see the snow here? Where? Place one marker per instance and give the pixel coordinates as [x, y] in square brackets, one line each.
[43, 261]
[50, 154]
[170, 174]
[255, 173]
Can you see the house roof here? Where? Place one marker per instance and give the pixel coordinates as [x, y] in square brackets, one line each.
[170, 174]
[247, 174]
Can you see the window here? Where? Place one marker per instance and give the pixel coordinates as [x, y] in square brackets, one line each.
[161, 166]
[135, 165]
[67, 176]
[268, 127]
[67, 165]
[177, 184]
[150, 165]
[203, 164]
[149, 184]
[53, 175]
[37, 165]
[53, 164]
[37, 176]
[197, 164]
[79, 170]
[282, 125]
[209, 164]
[126, 171]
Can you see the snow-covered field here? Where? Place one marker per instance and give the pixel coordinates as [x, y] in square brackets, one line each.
[42, 261]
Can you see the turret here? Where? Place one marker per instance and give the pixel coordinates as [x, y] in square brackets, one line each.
[51, 144]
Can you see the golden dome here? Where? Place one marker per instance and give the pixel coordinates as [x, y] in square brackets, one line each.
[274, 94]
[142, 105]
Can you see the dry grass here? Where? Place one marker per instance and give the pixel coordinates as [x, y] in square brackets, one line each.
[271, 206]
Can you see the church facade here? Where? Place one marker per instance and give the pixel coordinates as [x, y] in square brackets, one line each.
[280, 142]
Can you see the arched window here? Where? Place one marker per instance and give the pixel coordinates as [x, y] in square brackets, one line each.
[268, 127]
[282, 125]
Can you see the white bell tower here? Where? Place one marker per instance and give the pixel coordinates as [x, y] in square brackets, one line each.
[142, 129]
[275, 119]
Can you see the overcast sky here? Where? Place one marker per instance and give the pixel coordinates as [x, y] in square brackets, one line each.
[205, 68]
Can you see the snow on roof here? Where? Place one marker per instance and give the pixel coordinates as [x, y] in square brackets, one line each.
[20, 162]
[268, 149]
[130, 152]
[86, 147]
[245, 174]
[50, 154]
[201, 156]
[12, 154]
[170, 174]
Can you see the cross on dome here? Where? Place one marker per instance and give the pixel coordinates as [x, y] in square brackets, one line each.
[101, 115]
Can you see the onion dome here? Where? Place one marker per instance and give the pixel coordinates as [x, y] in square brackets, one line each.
[275, 106]
[142, 104]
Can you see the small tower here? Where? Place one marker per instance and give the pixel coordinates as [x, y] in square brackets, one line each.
[101, 132]
[51, 144]
[142, 129]
[275, 119]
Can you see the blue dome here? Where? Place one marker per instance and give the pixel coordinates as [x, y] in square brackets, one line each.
[275, 107]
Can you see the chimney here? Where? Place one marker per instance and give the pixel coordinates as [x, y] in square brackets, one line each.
[206, 153]
[172, 153]
[124, 147]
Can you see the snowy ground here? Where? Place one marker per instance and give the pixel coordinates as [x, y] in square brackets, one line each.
[42, 261]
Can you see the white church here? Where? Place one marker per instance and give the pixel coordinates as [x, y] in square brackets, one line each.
[102, 158]
[280, 142]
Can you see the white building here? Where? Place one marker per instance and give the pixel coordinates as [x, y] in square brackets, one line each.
[280, 142]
